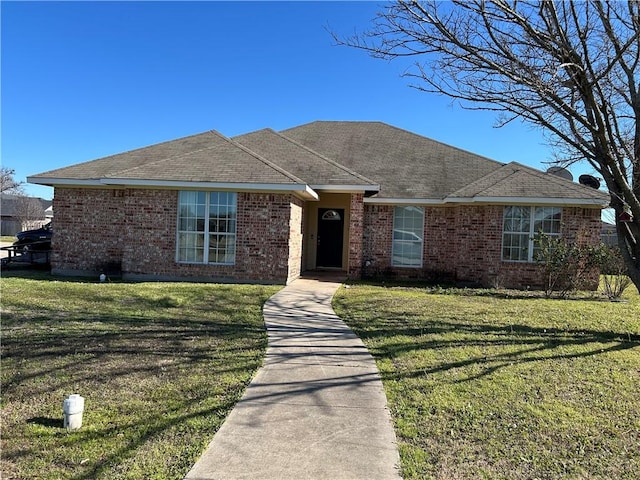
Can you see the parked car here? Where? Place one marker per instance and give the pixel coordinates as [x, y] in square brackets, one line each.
[37, 239]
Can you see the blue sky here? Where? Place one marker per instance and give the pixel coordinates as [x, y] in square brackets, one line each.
[82, 80]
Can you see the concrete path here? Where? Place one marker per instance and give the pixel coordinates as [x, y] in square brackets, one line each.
[315, 410]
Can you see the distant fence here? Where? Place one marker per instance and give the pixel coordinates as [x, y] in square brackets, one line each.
[9, 227]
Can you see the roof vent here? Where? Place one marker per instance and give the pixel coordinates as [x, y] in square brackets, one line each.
[561, 172]
[589, 181]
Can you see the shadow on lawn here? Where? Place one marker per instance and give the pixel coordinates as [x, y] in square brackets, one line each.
[41, 273]
[534, 344]
[118, 346]
[127, 344]
[150, 426]
[46, 422]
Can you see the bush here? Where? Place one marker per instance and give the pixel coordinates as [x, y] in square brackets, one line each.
[567, 266]
[614, 272]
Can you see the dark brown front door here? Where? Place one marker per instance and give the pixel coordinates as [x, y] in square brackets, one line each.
[330, 237]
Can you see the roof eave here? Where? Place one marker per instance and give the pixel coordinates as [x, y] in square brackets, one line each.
[530, 201]
[53, 181]
[404, 201]
[346, 188]
[301, 190]
[582, 202]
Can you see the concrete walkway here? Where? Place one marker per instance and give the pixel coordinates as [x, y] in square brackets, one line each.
[315, 410]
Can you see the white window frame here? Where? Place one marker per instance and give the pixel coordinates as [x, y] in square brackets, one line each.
[539, 219]
[407, 235]
[202, 230]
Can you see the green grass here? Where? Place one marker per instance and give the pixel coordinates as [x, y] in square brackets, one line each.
[490, 385]
[160, 365]
[7, 238]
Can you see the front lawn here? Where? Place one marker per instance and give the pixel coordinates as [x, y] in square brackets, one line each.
[160, 365]
[483, 385]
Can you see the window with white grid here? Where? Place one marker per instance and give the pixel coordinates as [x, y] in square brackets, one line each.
[520, 227]
[207, 227]
[408, 236]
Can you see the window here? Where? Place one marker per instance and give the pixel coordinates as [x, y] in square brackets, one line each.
[521, 225]
[408, 231]
[331, 215]
[207, 227]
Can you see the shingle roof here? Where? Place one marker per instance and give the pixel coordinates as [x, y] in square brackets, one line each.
[9, 204]
[358, 155]
[406, 165]
[519, 181]
[206, 157]
[311, 167]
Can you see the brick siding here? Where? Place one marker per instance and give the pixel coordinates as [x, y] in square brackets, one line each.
[376, 238]
[296, 234]
[356, 231]
[136, 229]
[463, 244]
[89, 229]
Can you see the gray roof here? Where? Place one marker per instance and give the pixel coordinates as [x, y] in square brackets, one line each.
[9, 204]
[409, 166]
[382, 160]
[206, 157]
[311, 167]
[514, 180]
[405, 164]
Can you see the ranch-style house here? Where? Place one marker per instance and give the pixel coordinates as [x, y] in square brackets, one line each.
[364, 198]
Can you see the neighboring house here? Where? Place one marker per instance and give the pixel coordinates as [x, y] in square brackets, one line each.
[19, 213]
[365, 198]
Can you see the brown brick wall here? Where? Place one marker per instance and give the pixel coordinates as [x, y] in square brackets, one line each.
[263, 237]
[377, 236]
[296, 234]
[81, 241]
[463, 244]
[478, 242]
[582, 224]
[150, 231]
[356, 232]
[137, 229]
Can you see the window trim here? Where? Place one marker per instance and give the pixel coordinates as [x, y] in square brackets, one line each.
[206, 233]
[531, 234]
[393, 240]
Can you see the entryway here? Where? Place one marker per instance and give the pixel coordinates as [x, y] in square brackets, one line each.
[330, 237]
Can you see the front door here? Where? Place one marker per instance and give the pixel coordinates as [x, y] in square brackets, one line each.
[330, 237]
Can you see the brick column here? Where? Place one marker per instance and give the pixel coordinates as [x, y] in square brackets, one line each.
[356, 227]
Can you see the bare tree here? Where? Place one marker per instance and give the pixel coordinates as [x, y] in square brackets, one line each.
[569, 68]
[29, 212]
[7, 182]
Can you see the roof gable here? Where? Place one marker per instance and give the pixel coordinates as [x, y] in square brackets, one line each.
[405, 165]
[519, 181]
[313, 168]
[206, 157]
